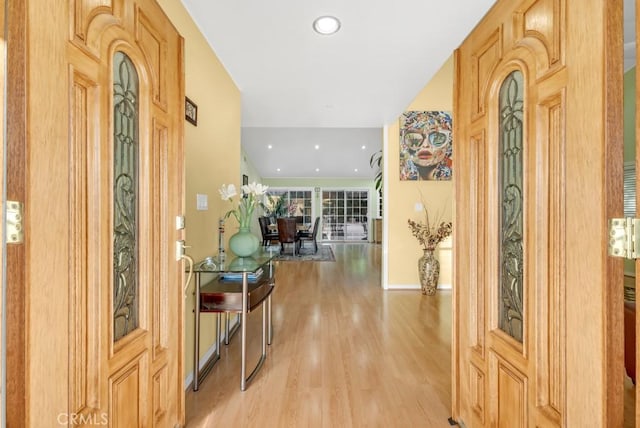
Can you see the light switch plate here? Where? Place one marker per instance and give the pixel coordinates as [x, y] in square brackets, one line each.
[202, 202]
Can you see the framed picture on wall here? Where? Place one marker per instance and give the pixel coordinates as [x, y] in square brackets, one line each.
[245, 181]
[426, 145]
[190, 111]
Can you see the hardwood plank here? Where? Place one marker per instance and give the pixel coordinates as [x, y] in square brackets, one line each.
[345, 353]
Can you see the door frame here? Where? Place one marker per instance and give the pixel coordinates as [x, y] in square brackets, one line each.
[16, 166]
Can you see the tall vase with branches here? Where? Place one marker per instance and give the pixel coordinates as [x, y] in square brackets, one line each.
[429, 235]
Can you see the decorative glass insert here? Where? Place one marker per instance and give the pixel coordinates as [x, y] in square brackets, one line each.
[511, 193]
[125, 196]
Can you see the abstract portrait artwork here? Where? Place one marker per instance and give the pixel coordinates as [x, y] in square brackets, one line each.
[425, 145]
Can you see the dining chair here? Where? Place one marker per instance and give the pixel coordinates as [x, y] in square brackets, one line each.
[288, 234]
[268, 235]
[310, 235]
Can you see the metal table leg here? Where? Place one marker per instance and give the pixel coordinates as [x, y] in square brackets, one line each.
[270, 324]
[243, 328]
[197, 373]
[226, 328]
[243, 331]
[196, 336]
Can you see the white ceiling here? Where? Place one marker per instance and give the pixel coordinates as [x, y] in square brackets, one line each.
[339, 151]
[295, 83]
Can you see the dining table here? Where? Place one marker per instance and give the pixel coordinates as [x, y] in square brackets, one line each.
[302, 227]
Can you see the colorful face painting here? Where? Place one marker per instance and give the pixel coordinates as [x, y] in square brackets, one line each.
[425, 145]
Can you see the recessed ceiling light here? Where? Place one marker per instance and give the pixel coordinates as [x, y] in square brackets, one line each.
[317, 169]
[269, 146]
[326, 25]
[278, 169]
[317, 147]
[364, 147]
[356, 169]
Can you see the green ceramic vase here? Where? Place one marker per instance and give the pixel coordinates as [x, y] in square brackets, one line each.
[244, 243]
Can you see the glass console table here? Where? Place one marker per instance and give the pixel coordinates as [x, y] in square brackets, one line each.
[240, 285]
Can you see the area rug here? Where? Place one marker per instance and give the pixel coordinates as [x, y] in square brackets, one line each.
[324, 254]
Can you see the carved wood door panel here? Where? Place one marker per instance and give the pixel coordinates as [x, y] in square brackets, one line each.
[126, 97]
[535, 115]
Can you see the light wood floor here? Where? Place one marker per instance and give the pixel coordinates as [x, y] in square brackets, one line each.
[345, 353]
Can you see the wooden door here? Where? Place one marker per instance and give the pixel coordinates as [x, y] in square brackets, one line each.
[105, 162]
[125, 102]
[538, 304]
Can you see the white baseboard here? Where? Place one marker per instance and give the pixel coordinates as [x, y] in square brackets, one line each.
[415, 287]
[403, 286]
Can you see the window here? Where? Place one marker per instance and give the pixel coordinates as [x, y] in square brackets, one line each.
[300, 201]
[345, 215]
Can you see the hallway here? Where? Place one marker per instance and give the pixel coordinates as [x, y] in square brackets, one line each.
[345, 353]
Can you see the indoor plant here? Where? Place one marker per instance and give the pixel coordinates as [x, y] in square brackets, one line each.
[376, 162]
[243, 243]
[429, 235]
[275, 206]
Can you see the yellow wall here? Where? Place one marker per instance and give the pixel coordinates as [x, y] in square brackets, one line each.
[403, 250]
[212, 153]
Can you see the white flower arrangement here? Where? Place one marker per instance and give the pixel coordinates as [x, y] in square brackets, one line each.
[248, 201]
